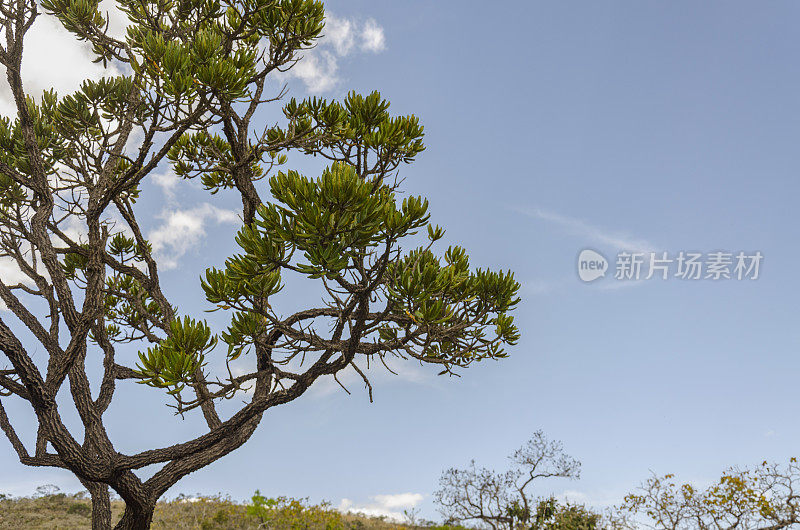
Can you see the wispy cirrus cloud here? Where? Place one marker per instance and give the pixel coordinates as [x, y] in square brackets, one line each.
[589, 234]
[596, 234]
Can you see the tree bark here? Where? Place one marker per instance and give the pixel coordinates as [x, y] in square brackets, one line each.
[101, 506]
[136, 517]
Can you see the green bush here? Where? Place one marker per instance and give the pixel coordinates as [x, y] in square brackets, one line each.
[80, 509]
[288, 513]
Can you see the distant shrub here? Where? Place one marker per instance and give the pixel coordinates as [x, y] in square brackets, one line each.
[288, 513]
[552, 515]
[202, 512]
[80, 508]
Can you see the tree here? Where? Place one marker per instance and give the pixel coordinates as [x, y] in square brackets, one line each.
[553, 515]
[764, 497]
[196, 77]
[501, 500]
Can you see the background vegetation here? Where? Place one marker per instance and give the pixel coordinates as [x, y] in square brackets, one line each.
[50, 509]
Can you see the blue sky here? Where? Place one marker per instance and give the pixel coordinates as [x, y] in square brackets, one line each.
[550, 127]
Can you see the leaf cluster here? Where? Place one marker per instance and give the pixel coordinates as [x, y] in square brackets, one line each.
[172, 364]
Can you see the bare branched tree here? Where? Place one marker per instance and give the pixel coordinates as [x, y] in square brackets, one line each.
[503, 500]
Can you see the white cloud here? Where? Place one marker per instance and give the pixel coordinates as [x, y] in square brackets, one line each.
[372, 37]
[341, 34]
[10, 273]
[53, 58]
[167, 181]
[399, 500]
[389, 506]
[581, 228]
[75, 229]
[135, 139]
[184, 230]
[317, 70]
[319, 67]
[117, 20]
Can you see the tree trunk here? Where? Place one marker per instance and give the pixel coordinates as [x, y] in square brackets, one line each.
[101, 505]
[101, 509]
[136, 517]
